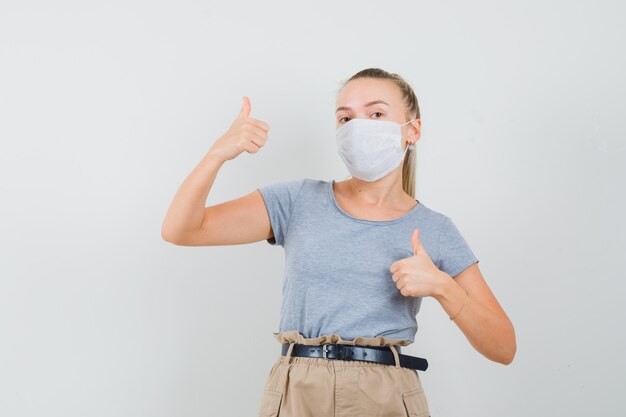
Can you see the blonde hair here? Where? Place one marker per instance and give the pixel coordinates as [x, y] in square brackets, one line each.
[412, 112]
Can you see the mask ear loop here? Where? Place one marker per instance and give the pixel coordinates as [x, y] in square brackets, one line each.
[409, 146]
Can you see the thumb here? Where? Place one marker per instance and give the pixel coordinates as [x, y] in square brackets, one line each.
[415, 241]
[244, 113]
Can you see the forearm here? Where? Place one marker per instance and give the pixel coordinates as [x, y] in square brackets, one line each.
[186, 212]
[490, 332]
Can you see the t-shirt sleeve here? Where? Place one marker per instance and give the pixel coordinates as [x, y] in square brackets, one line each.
[280, 198]
[455, 255]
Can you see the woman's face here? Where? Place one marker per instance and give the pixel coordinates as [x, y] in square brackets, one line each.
[372, 98]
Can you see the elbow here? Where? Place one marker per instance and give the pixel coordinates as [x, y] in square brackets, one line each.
[504, 358]
[178, 239]
[168, 236]
[505, 353]
[509, 354]
[508, 359]
[165, 234]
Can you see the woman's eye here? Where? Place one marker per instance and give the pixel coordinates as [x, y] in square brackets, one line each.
[345, 117]
[378, 113]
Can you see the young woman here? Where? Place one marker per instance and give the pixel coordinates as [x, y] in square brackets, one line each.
[360, 256]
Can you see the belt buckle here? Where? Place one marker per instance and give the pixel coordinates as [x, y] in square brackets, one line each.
[337, 349]
[325, 352]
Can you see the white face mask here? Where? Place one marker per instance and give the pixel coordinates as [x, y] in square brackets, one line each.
[370, 148]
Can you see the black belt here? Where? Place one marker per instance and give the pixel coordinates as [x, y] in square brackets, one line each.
[379, 354]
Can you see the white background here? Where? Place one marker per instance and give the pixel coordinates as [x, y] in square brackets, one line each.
[105, 107]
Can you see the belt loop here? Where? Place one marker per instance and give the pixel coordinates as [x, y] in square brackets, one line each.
[287, 357]
[395, 355]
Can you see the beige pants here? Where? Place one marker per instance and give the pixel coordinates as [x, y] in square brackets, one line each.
[320, 387]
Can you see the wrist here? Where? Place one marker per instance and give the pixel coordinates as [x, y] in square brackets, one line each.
[214, 157]
[444, 286]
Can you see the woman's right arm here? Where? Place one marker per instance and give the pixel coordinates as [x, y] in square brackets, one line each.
[242, 220]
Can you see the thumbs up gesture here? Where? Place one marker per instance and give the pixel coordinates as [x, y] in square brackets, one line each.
[245, 134]
[417, 275]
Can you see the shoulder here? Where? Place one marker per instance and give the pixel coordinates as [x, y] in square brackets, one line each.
[292, 189]
[313, 184]
[433, 217]
[306, 186]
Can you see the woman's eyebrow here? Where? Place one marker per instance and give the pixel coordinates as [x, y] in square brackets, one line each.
[366, 105]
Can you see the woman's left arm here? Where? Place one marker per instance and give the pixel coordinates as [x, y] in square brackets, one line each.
[482, 319]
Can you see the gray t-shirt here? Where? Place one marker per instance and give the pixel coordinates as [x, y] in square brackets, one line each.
[336, 277]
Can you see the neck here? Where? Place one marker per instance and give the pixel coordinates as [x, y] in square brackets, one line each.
[385, 191]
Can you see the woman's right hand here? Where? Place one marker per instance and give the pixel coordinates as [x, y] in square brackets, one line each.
[245, 134]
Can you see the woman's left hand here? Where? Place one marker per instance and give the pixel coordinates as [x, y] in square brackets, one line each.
[417, 275]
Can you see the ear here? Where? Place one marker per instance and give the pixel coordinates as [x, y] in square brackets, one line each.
[415, 132]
